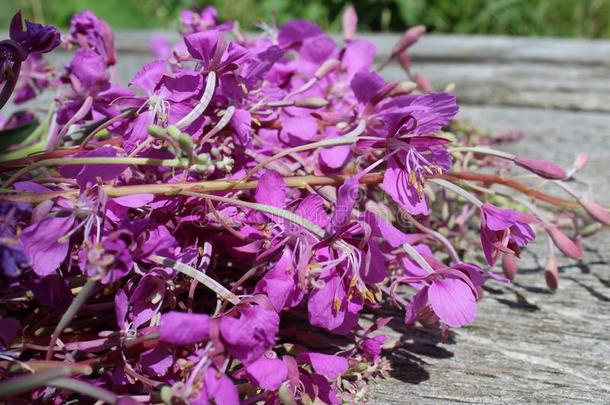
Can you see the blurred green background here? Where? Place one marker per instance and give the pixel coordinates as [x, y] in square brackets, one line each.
[565, 18]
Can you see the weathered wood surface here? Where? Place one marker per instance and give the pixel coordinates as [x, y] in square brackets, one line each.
[527, 345]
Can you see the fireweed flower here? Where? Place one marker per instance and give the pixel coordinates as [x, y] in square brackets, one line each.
[192, 22]
[12, 258]
[88, 93]
[450, 293]
[90, 33]
[164, 102]
[34, 39]
[504, 230]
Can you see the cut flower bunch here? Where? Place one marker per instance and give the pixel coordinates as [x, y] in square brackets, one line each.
[230, 226]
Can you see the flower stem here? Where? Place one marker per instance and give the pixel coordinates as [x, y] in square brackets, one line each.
[200, 276]
[84, 388]
[93, 161]
[29, 382]
[71, 312]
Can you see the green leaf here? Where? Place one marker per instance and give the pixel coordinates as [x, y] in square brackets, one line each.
[15, 136]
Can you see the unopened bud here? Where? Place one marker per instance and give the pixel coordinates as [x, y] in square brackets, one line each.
[423, 83]
[326, 68]
[551, 273]
[509, 266]
[204, 159]
[311, 102]
[173, 131]
[185, 142]
[156, 131]
[595, 210]
[409, 38]
[581, 161]
[403, 88]
[350, 22]
[563, 243]
[542, 168]
[405, 60]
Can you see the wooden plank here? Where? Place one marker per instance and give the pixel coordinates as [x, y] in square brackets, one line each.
[443, 47]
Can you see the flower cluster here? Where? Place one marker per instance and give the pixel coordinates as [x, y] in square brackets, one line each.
[217, 230]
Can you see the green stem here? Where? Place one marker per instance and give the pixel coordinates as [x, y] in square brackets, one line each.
[85, 388]
[483, 151]
[200, 276]
[70, 313]
[458, 190]
[140, 161]
[24, 383]
[282, 213]
[199, 186]
[418, 258]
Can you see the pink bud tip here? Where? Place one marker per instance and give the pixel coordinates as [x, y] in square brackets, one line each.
[563, 243]
[350, 22]
[410, 37]
[405, 60]
[423, 83]
[509, 266]
[581, 161]
[551, 273]
[595, 210]
[542, 168]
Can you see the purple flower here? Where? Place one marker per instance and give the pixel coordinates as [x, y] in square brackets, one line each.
[109, 259]
[217, 388]
[192, 22]
[89, 94]
[504, 230]
[251, 334]
[181, 328]
[213, 51]
[450, 293]
[12, 258]
[268, 373]
[36, 38]
[89, 32]
[46, 243]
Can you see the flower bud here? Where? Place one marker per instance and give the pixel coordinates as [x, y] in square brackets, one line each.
[403, 88]
[173, 131]
[542, 168]
[595, 210]
[156, 131]
[509, 266]
[326, 68]
[311, 102]
[409, 38]
[423, 83]
[581, 161]
[551, 273]
[350, 22]
[405, 60]
[563, 243]
[185, 142]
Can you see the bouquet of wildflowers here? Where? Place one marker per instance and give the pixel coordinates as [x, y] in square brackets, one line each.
[228, 226]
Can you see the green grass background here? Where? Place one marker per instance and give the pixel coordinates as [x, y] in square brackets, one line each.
[564, 18]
